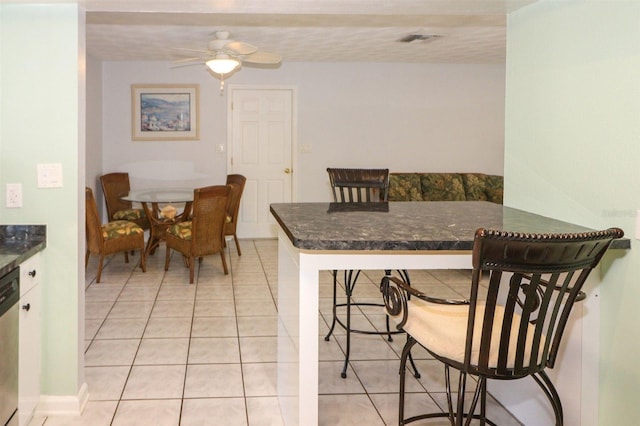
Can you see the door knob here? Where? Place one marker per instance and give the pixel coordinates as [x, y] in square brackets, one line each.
[287, 170]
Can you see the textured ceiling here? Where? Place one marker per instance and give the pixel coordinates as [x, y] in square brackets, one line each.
[471, 31]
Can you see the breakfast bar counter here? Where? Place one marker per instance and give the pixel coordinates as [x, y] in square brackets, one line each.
[399, 235]
[18, 243]
[432, 225]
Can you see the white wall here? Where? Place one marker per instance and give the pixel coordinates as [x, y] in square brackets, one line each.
[572, 152]
[411, 117]
[42, 121]
[94, 128]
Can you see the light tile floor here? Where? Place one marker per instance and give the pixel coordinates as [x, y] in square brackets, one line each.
[162, 352]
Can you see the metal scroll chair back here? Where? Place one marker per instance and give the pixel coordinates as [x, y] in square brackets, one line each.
[542, 276]
[515, 330]
[359, 185]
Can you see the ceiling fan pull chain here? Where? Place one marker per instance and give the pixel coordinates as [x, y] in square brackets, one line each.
[221, 84]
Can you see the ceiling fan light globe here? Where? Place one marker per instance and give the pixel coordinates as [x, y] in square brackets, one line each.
[222, 65]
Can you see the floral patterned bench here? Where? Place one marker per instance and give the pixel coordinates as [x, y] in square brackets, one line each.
[445, 187]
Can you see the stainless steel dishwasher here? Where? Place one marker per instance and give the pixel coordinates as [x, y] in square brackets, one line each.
[9, 296]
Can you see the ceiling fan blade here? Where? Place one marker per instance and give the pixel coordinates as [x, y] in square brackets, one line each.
[262, 58]
[187, 65]
[241, 48]
[208, 52]
[188, 60]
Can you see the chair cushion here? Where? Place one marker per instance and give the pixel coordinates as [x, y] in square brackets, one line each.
[442, 187]
[129, 214]
[120, 228]
[443, 330]
[181, 230]
[404, 187]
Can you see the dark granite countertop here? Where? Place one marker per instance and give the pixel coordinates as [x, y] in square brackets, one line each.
[432, 225]
[18, 243]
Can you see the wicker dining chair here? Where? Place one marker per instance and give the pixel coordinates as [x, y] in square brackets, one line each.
[367, 187]
[115, 186]
[237, 183]
[112, 237]
[510, 330]
[203, 235]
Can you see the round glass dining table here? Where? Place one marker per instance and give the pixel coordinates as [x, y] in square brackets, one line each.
[157, 204]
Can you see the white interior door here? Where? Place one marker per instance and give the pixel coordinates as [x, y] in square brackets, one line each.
[261, 148]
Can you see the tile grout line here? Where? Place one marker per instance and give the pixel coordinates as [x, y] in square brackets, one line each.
[124, 387]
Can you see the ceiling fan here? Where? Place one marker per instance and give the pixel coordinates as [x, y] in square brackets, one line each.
[225, 55]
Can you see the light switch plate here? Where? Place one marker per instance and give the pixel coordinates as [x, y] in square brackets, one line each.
[305, 148]
[50, 175]
[14, 195]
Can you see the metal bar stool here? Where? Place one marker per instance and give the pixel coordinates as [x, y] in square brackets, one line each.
[515, 330]
[362, 188]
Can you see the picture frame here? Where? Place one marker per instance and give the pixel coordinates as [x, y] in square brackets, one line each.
[165, 112]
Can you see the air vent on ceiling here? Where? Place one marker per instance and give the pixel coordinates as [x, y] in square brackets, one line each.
[419, 37]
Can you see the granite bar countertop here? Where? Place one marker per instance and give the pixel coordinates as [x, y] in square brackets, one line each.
[421, 225]
[18, 243]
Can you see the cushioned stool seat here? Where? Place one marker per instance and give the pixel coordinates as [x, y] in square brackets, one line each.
[443, 329]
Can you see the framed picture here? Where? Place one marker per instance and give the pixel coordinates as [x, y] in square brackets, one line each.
[162, 112]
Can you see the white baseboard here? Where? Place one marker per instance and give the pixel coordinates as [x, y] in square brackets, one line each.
[67, 405]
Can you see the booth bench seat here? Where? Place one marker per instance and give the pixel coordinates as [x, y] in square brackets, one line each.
[445, 187]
